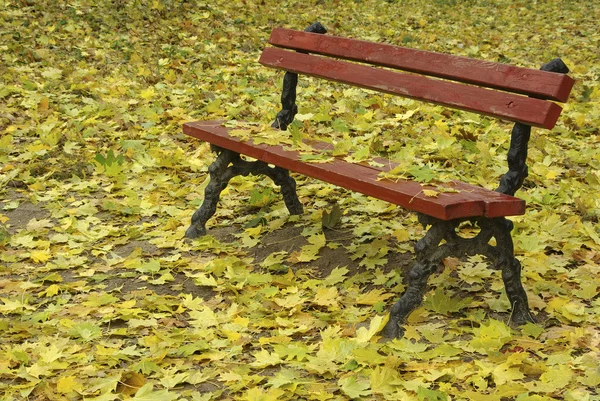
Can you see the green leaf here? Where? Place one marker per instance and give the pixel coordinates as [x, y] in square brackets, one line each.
[422, 173]
[532, 329]
[294, 129]
[214, 107]
[359, 155]
[110, 159]
[439, 302]
[287, 378]
[261, 198]
[147, 393]
[150, 267]
[146, 367]
[336, 276]
[4, 236]
[355, 387]
[339, 125]
[293, 351]
[341, 148]
[489, 339]
[6, 143]
[86, 331]
[425, 394]
[323, 114]
[331, 219]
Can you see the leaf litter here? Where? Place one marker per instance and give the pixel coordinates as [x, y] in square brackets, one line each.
[101, 297]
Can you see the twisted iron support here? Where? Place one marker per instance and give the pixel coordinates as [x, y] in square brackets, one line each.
[228, 165]
[288, 93]
[513, 179]
[519, 139]
[430, 252]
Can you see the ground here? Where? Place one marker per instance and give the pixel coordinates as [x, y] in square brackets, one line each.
[102, 298]
[288, 239]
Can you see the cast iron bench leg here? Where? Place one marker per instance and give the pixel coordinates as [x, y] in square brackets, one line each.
[430, 253]
[511, 273]
[410, 300]
[282, 178]
[228, 165]
[220, 174]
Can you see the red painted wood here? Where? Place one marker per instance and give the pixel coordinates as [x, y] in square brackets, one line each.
[540, 84]
[502, 105]
[472, 201]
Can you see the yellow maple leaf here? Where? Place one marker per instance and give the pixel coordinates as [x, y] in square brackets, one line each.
[231, 335]
[401, 235]
[67, 384]
[51, 291]
[430, 193]
[289, 302]
[148, 94]
[326, 296]
[130, 383]
[40, 256]
[36, 370]
[364, 335]
[136, 59]
[372, 297]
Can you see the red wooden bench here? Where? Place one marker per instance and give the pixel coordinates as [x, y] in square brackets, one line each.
[522, 95]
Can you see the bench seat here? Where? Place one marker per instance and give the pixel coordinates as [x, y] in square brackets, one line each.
[469, 201]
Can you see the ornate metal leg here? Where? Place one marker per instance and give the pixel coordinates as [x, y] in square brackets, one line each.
[281, 177]
[219, 178]
[509, 184]
[430, 253]
[221, 172]
[288, 94]
[517, 156]
[511, 273]
[228, 165]
[410, 300]
[519, 139]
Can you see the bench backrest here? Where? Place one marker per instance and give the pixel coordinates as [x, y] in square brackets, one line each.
[513, 93]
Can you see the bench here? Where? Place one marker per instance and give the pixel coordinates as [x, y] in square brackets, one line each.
[525, 96]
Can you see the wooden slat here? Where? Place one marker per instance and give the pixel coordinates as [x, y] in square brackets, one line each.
[471, 201]
[504, 105]
[495, 203]
[536, 83]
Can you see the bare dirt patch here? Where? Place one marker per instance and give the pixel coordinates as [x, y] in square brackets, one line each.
[20, 216]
